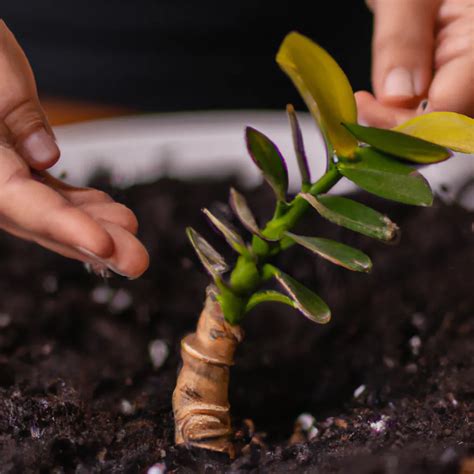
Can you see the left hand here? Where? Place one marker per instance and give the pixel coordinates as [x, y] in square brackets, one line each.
[80, 223]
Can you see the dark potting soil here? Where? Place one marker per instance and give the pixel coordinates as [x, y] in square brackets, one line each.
[390, 380]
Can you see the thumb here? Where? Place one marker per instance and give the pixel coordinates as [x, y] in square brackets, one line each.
[20, 109]
[402, 49]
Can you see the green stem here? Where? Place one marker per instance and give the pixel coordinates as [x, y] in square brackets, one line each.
[285, 218]
[297, 208]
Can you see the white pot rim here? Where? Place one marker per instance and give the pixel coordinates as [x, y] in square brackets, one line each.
[189, 145]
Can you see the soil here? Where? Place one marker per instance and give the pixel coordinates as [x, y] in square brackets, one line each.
[389, 381]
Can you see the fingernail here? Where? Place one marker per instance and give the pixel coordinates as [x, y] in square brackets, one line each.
[419, 83]
[100, 263]
[40, 147]
[118, 272]
[423, 106]
[88, 253]
[399, 83]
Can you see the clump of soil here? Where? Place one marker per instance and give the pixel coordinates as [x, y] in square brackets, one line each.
[86, 378]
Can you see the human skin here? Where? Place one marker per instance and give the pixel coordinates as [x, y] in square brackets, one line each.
[422, 60]
[80, 223]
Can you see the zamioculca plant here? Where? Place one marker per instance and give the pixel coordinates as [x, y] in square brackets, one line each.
[374, 159]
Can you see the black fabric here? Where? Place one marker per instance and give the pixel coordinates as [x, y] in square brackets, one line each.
[181, 55]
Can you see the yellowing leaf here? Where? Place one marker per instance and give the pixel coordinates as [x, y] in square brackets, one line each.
[323, 86]
[449, 129]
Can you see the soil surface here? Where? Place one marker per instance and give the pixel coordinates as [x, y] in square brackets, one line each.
[389, 381]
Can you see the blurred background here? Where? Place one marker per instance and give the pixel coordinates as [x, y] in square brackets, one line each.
[108, 57]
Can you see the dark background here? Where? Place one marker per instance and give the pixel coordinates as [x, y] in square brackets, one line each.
[181, 55]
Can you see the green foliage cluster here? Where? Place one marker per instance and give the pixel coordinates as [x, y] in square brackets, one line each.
[375, 160]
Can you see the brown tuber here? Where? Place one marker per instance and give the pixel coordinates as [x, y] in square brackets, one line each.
[200, 399]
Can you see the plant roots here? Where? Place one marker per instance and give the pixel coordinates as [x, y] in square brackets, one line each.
[200, 400]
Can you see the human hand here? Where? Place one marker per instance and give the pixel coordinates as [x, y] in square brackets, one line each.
[421, 49]
[79, 223]
[25, 124]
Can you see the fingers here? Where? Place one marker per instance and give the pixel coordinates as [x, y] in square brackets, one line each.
[373, 113]
[113, 213]
[39, 210]
[20, 109]
[402, 50]
[49, 244]
[96, 203]
[81, 223]
[33, 211]
[130, 257]
[452, 88]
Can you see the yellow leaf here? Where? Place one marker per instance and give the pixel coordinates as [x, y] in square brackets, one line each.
[323, 86]
[448, 129]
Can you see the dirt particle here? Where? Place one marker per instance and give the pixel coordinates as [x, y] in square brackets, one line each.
[35, 432]
[101, 455]
[341, 423]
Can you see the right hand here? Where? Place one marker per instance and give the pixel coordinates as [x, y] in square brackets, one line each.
[421, 49]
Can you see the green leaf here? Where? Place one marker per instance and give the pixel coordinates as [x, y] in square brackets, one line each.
[241, 209]
[230, 235]
[298, 145]
[323, 86]
[449, 129]
[335, 252]
[305, 300]
[385, 177]
[267, 296]
[399, 144]
[268, 158]
[354, 216]
[212, 260]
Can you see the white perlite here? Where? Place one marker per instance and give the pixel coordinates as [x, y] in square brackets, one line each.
[415, 344]
[158, 468]
[50, 284]
[306, 421]
[379, 426]
[159, 352]
[5, 320]
[359, 391]
[312, 433]
[126, 407]
[120, 301]
[101, 294]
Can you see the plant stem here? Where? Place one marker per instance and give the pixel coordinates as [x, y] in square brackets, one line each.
[284, 219]
[299, 206]
[200, 400]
